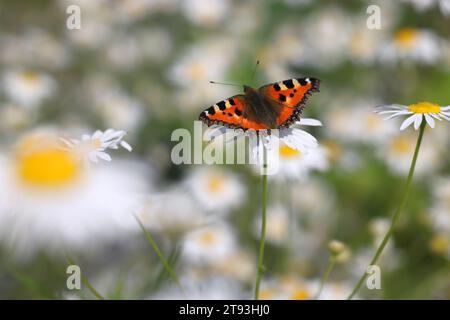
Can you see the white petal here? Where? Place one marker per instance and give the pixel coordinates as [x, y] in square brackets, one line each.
[445, 108]
[417, 121]
[398, 113]
[104, 156]
[429, 120]
[309, 122]
[97, 134]
[407, 122]
[67, 142]
[126, 146]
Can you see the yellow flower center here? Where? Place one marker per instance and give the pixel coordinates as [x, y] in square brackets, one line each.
[401, 145]
[439, 244]
[207, 238]
[424, 107]
[406, 37]
[215, 184]
[300, 294]
[287, 152]
[41, 162]
[30, 76]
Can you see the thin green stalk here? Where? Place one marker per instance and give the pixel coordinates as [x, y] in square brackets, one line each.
[260, 270]
[163, 260]
[86, 282]
[323, 280]
[397, 212]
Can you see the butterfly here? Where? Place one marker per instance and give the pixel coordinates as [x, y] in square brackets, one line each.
[273, 106]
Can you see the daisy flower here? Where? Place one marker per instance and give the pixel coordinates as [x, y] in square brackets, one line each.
[28, 88]
[208, 244]
[94, 146]
[416, 113]
[412, 45]
[423, 5]
[215, 189]
[51, 201]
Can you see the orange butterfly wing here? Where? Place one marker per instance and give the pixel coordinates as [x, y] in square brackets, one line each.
[291, 95]
[229, 113]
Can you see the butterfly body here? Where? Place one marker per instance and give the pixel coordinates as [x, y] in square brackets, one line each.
[272, 106]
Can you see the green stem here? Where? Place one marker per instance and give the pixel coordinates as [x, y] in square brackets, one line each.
[323, 280]
[262, 240]
[397, 212]
[163, 260]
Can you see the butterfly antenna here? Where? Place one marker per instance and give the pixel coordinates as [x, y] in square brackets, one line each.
[226, 84]
[254, 70]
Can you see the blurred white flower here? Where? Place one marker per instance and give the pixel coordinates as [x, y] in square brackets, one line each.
[212, 288]
[239, 265]
[278, 224]
[440, 209]
[410, 44]
[118, 109]
[332, 26]
[416, 113]
[366, 126]
[94, 146]
[288, 287]
[28, 88]
[215, 189]
[202, 63]
[205, 12]
[398, 152]
[422, 5]
[172, 212]
[13, 117]
[208, 244]
[51, 201]
[295, 164]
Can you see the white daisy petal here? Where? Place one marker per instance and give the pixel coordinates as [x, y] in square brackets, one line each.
[407, 122]
[309, 122]
[429, 120]
[126, 145]
[104, 156]
[417, 121]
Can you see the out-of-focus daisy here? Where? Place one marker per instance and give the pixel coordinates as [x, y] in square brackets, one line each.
[212, 288]
[440, 210]
[51, 201]
[296, 164]
[202, 63]
[367, 127]
[412, 44]
[94, 146]
[205, 12]
[172, 212]
[416, 113]
[422, 5]
[288, 287]
[215, 189]
[332, 26]
[397, 153]
[277, 225]
[13, 117]
[239, 265]
[118, 109]
[28, 88]
[208, 244]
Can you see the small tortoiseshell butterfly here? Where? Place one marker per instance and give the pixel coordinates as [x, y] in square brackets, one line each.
[273, 106]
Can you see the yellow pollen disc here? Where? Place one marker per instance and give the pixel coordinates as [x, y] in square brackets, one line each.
[96, 143]
[439, 244]
[287, 152]
[207, 238]
[215, 184]
[42, 163]
[424, 107]
[406, 37]
[401, 145]
[301, 294]
[30, 76]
